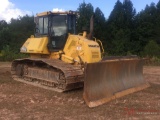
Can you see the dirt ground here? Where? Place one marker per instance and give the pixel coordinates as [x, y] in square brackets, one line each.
[19, 101]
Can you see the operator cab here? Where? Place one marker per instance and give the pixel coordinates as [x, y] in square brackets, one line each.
[55, 25]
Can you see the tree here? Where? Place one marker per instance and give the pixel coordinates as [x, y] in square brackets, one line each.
[146, 25]
[3, 24]
[116, 15]
[157, 23]
[120, 27]
[5, 37]
[129, 13]
[99, 24]
[22, 28]
[152, 49]
[15, 33]
[85, 12]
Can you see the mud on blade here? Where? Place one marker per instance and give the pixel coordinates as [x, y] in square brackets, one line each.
[111, 79]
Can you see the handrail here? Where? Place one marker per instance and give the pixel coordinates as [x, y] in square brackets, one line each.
[100, 43]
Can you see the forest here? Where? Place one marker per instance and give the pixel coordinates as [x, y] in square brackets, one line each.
[124, 32]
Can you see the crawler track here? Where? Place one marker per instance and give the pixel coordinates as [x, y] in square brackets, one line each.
[49, 74]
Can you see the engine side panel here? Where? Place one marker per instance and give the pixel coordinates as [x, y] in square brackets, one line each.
[81, 50]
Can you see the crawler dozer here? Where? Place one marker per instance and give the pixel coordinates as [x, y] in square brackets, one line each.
[62, 60]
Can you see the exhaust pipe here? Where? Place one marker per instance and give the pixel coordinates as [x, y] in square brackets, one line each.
[91, 28]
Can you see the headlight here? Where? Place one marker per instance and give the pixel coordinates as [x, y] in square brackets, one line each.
[23, 49]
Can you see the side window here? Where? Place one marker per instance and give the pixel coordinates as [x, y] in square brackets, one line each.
[40, 25]
[71, 24]
[46, 25]
[43, 25]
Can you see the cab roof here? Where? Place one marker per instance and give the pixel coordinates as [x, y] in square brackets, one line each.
[57, 13]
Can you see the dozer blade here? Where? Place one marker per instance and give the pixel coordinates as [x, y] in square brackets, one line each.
[111, 79]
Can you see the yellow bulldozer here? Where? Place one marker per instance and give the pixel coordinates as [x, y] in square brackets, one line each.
[62, 60]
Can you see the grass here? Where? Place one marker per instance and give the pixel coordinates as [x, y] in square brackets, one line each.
[154, 61]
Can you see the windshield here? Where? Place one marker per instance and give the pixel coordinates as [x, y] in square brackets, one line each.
[59, 25]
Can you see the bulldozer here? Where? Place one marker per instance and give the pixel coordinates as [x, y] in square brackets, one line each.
[62, 60]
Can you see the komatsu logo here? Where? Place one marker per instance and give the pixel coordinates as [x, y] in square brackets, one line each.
[93, 45]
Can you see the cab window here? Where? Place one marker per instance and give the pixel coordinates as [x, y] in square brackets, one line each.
[43, 25]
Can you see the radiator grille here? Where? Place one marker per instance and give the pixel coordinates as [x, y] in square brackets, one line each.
[95, 54]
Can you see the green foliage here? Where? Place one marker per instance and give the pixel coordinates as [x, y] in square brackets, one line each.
[3, 24]
[8, 55]
[120, 27]
[99, 24]
[116, 15]
[13, 35]
[128, 31]
[152, 49]
[1, 54]
[125, 32]
[5, 37]
[85, 12]
[153, 61]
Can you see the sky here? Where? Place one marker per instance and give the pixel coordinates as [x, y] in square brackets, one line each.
[15, 8]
